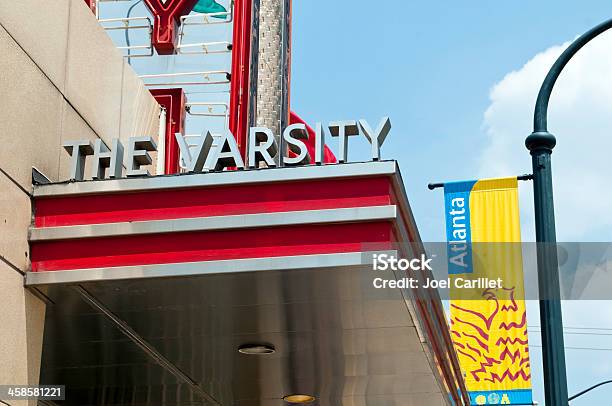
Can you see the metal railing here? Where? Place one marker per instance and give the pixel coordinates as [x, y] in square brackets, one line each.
[106, 1]
[124, 23]
[215, 47]
[216, 77]
[207, 18]
[213, 109]
[203, 19]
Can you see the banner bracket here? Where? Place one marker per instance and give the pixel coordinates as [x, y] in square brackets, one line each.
[432, 186]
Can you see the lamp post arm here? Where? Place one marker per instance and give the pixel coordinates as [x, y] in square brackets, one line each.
[590, 389]
[541, 108]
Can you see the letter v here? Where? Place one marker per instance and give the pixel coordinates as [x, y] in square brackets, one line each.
[195, 163]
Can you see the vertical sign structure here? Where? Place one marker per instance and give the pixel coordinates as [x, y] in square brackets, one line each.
[285, 63]
[273, 69]
[488, 326]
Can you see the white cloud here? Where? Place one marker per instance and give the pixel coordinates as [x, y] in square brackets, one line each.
[580, 116]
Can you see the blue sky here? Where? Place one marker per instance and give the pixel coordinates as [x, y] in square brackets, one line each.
[434, 67]
[429, 65]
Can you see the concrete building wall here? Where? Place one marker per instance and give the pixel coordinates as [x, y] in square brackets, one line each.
[61, 78]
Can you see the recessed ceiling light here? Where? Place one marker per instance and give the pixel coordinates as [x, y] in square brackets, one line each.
[256, 349]
[299, 398]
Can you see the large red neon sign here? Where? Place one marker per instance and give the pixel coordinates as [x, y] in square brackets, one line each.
[240, 75]
[174, 100]
[166, 15]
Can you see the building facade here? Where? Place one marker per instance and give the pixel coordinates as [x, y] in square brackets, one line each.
[55, 86]
[246, 287]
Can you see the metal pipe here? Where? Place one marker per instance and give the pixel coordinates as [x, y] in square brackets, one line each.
[221, 79]
[167, 75]
[205, 18]
[124, 20]
[541, 108]
[433, 186]
[224, 47]
[161, 142]
[127, 33]
[213, 109]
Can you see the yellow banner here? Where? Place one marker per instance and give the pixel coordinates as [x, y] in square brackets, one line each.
[488, 326]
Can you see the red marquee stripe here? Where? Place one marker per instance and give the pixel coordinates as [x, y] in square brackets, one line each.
[210, 245]
[211, 201]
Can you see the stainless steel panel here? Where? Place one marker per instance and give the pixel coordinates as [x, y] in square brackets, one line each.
[284, 174]
[329, 261]
[350, 214]
[335, 336]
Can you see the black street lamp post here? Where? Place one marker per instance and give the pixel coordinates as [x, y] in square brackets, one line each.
[540, 144]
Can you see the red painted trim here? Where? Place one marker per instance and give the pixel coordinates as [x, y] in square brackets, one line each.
[173, 100]
[212, 201]
[208, 246]
[166, 21]
[240, 73]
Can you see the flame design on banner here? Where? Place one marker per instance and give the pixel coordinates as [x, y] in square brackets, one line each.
[488, 327]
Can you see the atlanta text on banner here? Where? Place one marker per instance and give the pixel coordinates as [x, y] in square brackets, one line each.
[489, 333]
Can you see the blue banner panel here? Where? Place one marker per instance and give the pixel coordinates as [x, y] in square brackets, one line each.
[501, 397]
[458, 228]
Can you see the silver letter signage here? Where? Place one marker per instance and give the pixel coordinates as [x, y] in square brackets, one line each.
[104, 158]
[216, 152]
[262, 147]
[224, 153]
[78, 150]
[377, 137]
[138, 155]
[196, 162]
[319, 143]
[293, 136]
[343, 130]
